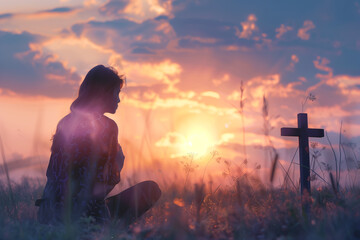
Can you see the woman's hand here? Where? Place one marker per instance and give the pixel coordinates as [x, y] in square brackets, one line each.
[120, 158]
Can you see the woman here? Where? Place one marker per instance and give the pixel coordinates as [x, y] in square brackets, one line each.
[86, 160]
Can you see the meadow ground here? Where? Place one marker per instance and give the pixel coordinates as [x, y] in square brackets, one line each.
[244, 210]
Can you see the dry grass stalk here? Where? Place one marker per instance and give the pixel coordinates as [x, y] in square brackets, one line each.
[199, 193]
[12, 199]
[241, 110]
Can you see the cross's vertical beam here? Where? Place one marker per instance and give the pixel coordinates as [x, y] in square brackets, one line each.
[304, 153]
[303, 132]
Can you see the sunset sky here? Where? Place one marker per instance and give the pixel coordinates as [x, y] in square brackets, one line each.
[184, 62]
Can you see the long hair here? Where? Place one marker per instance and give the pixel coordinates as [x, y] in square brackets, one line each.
[98, 82]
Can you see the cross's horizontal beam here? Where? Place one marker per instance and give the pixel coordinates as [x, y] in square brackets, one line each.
[315, 132]
[294, 132]
[297, 132]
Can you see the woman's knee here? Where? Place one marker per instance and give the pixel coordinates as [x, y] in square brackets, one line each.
[153, 188]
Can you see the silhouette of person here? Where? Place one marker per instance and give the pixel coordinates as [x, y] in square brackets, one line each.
[86, 160]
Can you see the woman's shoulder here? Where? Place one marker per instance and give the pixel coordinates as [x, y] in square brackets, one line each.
[64, 121]
[74, 123]
[110, 123]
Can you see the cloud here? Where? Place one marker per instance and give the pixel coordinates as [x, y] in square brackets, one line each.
[152, 73]
[184, 101]
[224, 79]
[321, 64]
[89, 3]
[142, 50]
[53, 12]
[158, 38]
[226, 137]
[192, 33]
[275, 91]
[248, 27]
[340, 91]
[148, 36]
[303, 32]
[6, 15]
[198, 40]
[268, 84]
[72, 50]
[282, 30]
[58, 10]
[171, 139]
[137, 10]
[24, 69]
[345, 81]
[149, 82]
[210, 94]
[113, 7]
[122, 35]
[197, 32]
[294, 60]
[328, 97]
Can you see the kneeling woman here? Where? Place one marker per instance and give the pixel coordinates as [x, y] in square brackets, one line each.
[86, 160]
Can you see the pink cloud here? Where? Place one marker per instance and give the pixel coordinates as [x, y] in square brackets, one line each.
[345, 82]
[294, 60]
[56, 12]
[282, 30]
[219, 81]
[321, 64]
[164, 72]
[210, 94]
[303, 32]
[201, 40]
[302, 79]
[137, 10]
[89, 3]
[248, 27]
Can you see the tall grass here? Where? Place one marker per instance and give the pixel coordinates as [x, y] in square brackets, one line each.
[241, 111]
[11, 194]
[243, 210]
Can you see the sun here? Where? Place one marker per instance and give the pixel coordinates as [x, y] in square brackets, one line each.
[199, 137]
[198, 142]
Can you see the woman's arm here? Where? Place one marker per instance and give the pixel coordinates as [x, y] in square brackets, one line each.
[102, 189]
[120, 158]
[112, 166]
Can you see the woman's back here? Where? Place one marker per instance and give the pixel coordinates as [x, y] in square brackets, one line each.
[83, 154]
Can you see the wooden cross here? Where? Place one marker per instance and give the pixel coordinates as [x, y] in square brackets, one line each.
[303, 132]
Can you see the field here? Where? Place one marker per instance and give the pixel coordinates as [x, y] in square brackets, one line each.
[245, 209]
